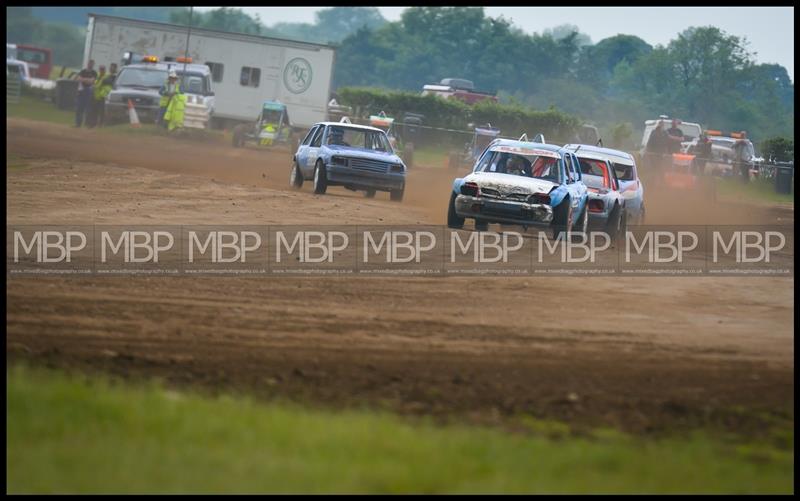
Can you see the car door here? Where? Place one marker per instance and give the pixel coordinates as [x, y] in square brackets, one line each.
[315, 147]
[302, 149]
[570, 181]
[577, 190]
[312, 152]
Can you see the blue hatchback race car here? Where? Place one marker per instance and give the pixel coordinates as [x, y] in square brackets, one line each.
[354, 156]
[522, 183]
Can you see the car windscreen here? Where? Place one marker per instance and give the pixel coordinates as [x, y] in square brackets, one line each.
[534, 166]
[270, 116]
[689, 131]
[358, 138]
[31, 56]
[140, 77]
[193, 83]
[595, 173]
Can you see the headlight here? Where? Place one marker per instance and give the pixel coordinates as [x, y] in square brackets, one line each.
[397, 168]
[114, 98]
[338, 161]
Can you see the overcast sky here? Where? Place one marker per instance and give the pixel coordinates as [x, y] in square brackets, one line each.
[770, 30]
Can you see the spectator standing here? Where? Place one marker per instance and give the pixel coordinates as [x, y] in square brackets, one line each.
[702, 152]
[86, 79]
[656, 145]
[168, 91]
[91, 116]
[675, 137]
[102, 92]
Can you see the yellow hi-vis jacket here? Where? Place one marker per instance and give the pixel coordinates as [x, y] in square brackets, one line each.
[97, 88]
[175, 111]
[164, 101]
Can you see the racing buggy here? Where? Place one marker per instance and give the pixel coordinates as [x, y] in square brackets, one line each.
[481, 138]
[270, 128]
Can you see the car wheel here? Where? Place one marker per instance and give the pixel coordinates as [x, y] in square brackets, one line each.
[296, 177]
[614, 224]
[561, 219]
[369, 193]
[583, 225]
[623, 227]
[481, 225]
[320, 179]
[453, 220]
[396, 195]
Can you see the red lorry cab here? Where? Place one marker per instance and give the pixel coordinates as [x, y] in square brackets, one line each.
[40, 60]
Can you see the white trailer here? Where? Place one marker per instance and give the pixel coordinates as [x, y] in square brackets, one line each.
[246, 69]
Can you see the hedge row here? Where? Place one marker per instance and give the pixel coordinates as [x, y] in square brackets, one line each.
[512, 120]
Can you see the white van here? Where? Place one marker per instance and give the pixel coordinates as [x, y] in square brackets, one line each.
[691, 131]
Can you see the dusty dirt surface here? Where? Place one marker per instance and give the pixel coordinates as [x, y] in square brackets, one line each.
[644, 354]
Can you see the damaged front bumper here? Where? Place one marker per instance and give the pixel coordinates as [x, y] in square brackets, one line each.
[503, 211]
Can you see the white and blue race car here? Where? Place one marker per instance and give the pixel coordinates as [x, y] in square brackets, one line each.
[522, 183]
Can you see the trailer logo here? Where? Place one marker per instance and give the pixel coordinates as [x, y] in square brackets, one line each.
[297, 75]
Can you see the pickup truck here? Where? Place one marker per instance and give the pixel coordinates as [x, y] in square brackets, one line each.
[456, 88]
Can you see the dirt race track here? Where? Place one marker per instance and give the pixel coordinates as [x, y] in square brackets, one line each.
[643, 354]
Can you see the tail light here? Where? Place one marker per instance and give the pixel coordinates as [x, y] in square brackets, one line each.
[596, 206]
[539, 198]
[471, 189]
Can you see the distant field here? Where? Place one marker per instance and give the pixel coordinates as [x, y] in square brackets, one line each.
[76, 434]
[757, 191]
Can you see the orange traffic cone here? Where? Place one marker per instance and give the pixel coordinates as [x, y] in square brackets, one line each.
[132, 114]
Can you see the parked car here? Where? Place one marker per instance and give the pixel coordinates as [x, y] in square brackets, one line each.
[140, 83]
[722, 153]
[357, 157]
[606, 204]
[624, 166]
[21, 70]
[522, 183]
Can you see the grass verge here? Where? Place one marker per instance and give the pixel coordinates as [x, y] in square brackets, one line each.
[33, 108]
[75, 434]
[431, 157]
[757, 191]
